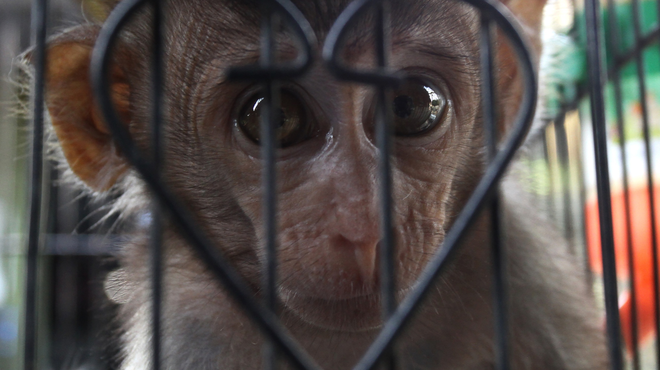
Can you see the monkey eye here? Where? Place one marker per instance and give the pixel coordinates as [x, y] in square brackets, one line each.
[295, 125]
[417, 108]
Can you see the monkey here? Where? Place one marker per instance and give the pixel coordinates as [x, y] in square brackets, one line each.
[328, 225]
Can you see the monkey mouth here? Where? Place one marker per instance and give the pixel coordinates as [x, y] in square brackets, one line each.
[362, 312]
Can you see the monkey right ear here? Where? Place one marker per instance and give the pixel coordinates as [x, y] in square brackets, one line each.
[530, 15]
[82, 133]
[529, 12]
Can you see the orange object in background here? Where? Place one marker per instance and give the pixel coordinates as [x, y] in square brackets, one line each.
[642, 255]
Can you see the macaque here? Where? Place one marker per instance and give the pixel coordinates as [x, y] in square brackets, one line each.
[328, 221]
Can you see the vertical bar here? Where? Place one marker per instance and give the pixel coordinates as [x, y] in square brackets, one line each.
[596, 87]
[565, 177]
[582, 199]
[269, 122]
[384, 143]
[550, 200]
[39, 19]
[384, 133]
[532, 172]
[499, 261]
[641, 77]
[271, 98]
[157, 148]
[613, 45]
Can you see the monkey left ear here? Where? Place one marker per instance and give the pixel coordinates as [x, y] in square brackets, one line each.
[83, 136]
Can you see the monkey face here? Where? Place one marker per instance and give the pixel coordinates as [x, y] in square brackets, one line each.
[327, 189]
[328, 220]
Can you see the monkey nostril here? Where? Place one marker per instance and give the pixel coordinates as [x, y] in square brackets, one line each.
[363, 257]
[366, 260]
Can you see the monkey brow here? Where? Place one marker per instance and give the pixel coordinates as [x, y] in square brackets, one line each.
[453, 54]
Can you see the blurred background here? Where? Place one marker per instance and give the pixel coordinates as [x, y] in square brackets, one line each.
[74, 330]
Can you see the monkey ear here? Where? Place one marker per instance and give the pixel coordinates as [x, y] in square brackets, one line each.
[83, 136]
[530, 15]
[118, 287]
[98, 9]
[528, 12]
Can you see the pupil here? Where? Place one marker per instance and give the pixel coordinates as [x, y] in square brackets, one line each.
[403, 106]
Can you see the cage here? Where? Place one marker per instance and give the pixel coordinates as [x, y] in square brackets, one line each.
[590, 145]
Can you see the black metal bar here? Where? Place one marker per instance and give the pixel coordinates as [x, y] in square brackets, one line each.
[529, 161]
[641, 77]
[643, 42]
[582, 199]
[561, 139]
[297, 68]
[550, 200]
[596, 86]
[68, 245]
[157, 129]
[39, 19]
[619, 62]
[269, 122]
[332, 50]
[384, 139]
[614, 46]
[630, 249]
[499, 14]
[488, 98]
[384, 142]
[207, 251]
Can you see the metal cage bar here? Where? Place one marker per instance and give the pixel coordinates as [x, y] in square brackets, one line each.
[499, 15]
[565, 178]
[614, 45]
[498, 253]
[382, 78]
[268, 152]
[641, 76]
[235, 285]
[39, 20]
[384, 133]
[596, 83]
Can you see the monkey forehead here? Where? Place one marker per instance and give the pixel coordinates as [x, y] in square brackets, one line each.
[233, 26]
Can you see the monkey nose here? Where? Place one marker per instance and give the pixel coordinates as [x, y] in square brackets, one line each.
[366, 257]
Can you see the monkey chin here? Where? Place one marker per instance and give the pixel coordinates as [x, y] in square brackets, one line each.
[362, 313]
[355, 314]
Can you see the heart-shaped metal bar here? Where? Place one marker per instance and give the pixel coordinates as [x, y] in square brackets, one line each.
[271, 71]
[207, 251]
[500, 15]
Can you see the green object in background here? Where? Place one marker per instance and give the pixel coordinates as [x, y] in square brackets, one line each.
[563, 67]
[630, 99]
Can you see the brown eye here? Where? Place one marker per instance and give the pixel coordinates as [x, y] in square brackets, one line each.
[295, 125]
[417, 108]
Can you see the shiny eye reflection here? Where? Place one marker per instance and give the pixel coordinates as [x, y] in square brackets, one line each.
[417, 108]
[295, 124]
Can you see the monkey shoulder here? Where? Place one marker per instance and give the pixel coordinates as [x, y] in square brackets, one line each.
[554, 315]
